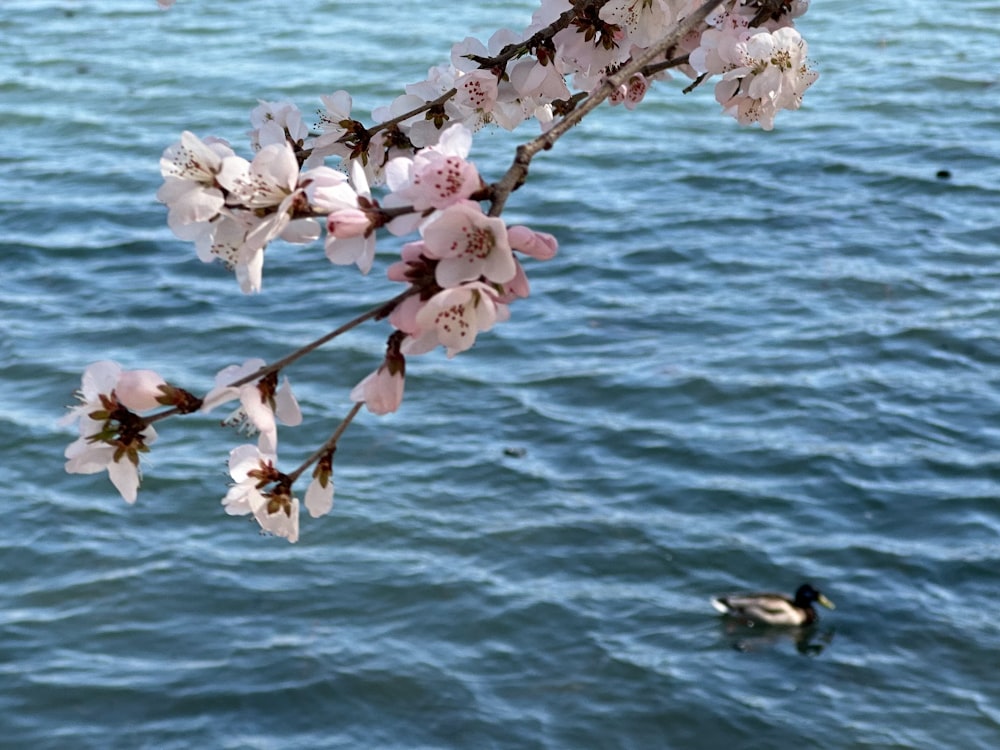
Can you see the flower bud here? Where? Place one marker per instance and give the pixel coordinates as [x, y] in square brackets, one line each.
[347, 223]
[539, 245]
[139, 390]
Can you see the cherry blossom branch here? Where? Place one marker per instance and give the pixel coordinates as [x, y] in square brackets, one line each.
[363, 137]
[518, 172]
[379, 311]
[462, 274]
[426, 107]
[650, 70]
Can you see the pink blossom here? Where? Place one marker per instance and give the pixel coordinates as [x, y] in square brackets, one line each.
[453, 317]
[644, 22]
[516, 287]
[437, 177]
[404, 315]
[266, 181]
[333, 121]
[381, 390]
[410, 255]
[265, 197]
[140, 390]
[86, 456]
[477, 91]
[469, 245]
[276, 122]
[189, 169]
[350, 235]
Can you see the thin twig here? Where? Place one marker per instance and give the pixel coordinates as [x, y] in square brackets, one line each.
[328, 446]
[541, 36]
[426, 106]
[379, 311]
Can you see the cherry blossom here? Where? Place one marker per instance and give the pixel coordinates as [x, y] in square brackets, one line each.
[276, 123]
[438, 176]
[261, 402]
[643, 22]
[771, 75]
[277, 511]
[87, 456]
[453, 317]
[763, 70]
[111, 435]
[466, 268]
[319, 494]
[350, 234]
[190, 189]
[464, 53]
[381, 391]
[400, 138]
[517, 287]
[538, 245]
[469, 244]
[477, 95]
[140, 390]
[319, 497]
[267, 195]
[99, 379]
[535, 86]
[334, 121]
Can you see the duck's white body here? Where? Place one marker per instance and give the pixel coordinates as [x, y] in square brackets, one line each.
[774, 609]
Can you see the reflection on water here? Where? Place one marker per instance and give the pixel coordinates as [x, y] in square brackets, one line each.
[746, 636]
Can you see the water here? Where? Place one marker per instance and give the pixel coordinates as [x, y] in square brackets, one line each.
[758, 359]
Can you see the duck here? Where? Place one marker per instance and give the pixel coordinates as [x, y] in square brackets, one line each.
[774, 609]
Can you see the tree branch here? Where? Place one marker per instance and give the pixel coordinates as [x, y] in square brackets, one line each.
[518, 172]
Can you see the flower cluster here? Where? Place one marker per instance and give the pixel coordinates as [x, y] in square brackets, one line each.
[112, 432]
[763, 68]
[409, 174]
[463, 271]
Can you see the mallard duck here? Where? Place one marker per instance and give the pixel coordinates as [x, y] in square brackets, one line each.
[774, 609]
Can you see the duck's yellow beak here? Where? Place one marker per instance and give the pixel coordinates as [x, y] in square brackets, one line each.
[825, 602]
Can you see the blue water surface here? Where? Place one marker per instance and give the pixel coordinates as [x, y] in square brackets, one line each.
[759, 358]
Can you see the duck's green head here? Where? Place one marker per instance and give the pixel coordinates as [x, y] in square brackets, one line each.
[806, 595]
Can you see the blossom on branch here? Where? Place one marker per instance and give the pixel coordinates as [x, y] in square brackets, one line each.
[466, 267]
[262, 402]
[335, 122]
[469, 245]
[453, 318]
[276, 123]
[762, 71]
[539, 245]
[190, 189]
[436, 177]
[276, 510]
[111, 435]
[350, 221]
[382, 390]
[319, 495]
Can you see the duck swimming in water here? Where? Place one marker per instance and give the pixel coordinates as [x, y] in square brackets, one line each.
[774, 609]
